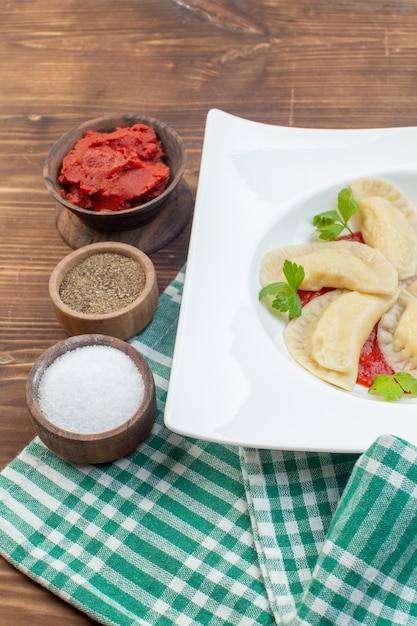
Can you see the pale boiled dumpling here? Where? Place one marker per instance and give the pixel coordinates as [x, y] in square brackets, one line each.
[388, 222]
[412, 288]
[370, 187]
[397, 334]
[338, 264]
[385, 228]
[328, 337]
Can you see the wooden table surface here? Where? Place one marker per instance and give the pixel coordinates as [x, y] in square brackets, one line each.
[298, 63]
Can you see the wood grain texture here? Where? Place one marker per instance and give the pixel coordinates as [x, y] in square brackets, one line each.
[295, 63]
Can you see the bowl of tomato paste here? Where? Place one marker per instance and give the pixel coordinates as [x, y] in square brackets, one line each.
[115, 172]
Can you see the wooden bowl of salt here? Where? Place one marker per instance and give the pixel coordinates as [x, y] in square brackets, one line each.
[109, 288]
[91, 399]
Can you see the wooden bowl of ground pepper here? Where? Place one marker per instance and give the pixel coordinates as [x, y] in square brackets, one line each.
[108, 288]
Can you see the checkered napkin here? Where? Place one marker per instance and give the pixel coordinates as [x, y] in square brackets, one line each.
[160, 537]
[336, 549]
[188, 532]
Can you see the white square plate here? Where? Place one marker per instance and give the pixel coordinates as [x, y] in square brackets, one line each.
[232, 379]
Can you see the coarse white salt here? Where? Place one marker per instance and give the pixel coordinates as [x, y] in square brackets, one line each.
[90, 389]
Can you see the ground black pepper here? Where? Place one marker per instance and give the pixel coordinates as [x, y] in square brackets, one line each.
[102, 283]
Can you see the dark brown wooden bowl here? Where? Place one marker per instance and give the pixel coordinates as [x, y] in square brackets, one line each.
[174, 150]
[101, 447]
[122, 323]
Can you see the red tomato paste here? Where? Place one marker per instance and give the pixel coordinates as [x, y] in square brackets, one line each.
[371, 360]
[352, 237]
[307, 296]
[114, 171]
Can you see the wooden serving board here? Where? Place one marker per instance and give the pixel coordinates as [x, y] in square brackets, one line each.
[148, 237]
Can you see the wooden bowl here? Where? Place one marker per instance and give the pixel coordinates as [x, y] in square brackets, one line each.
[122, 323]
[173, 148]
[102, 446]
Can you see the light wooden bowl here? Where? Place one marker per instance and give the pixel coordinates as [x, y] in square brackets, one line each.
[101, 447]
[174, 150]
[123, 323]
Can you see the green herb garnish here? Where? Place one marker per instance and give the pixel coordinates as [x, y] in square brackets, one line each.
[286, 296]
[331, 224]
[394, 386]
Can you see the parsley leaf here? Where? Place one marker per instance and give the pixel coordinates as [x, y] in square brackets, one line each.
[394, 386]
[286, 296]
[330, 224]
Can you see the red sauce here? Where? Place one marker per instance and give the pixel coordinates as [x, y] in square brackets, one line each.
[114, 171]
[307, 296]
[352, 237]
[371, 360]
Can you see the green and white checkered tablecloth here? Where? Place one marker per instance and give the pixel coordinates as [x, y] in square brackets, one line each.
[188, 532]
